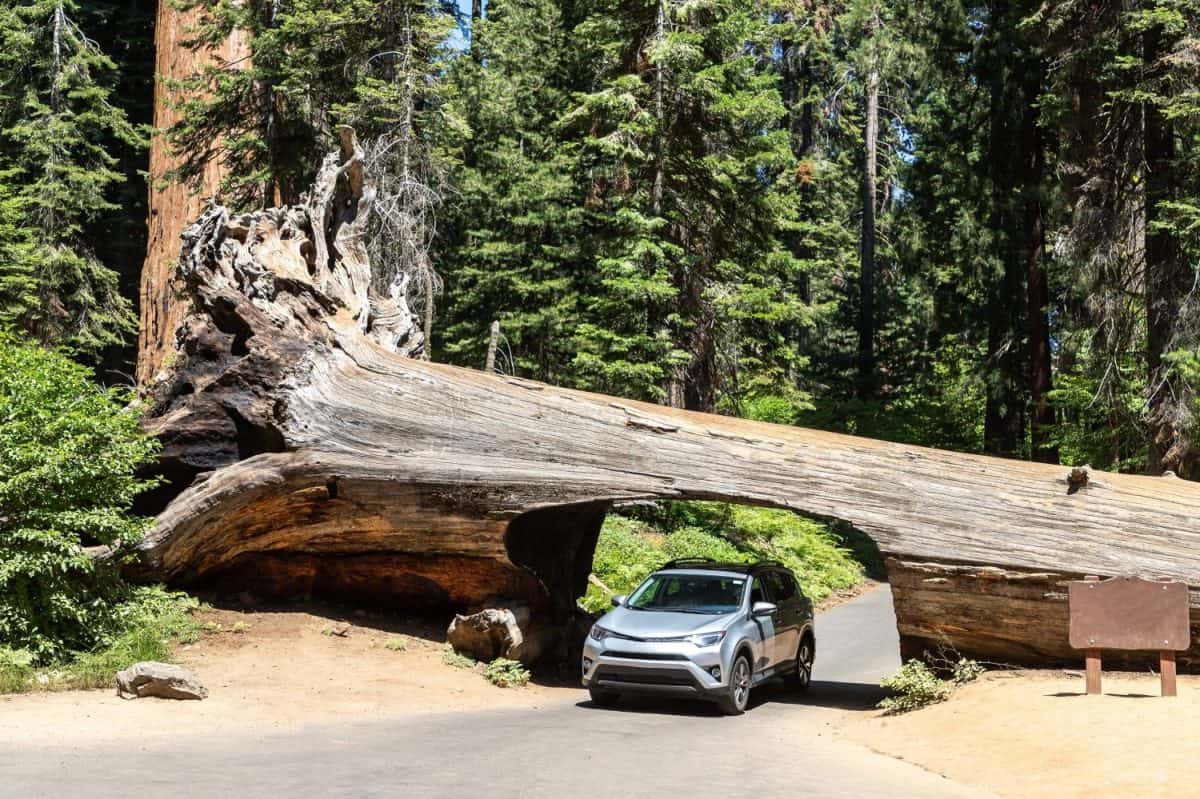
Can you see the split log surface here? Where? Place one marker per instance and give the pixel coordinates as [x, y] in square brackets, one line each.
[305, 455]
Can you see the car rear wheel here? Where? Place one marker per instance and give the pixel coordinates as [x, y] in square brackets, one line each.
[604, 698]
[737, 693]
[801, 677]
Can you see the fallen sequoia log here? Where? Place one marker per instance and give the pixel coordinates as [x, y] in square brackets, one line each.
[305, 455]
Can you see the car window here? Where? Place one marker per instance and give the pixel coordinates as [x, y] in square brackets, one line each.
[781, 586]
[689, 593]
[757, 592]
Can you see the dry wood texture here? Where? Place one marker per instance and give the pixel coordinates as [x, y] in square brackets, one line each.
[306, 455]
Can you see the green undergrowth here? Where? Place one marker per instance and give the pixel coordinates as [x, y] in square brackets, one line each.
[145, 628]
[458, 660]
[505, 673]
[634, 542]
[916, 685]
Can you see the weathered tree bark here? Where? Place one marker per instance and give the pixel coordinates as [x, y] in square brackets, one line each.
[172, 205]
[307, 457]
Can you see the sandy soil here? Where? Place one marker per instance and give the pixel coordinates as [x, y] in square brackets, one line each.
[1035, 734]
[281, 672]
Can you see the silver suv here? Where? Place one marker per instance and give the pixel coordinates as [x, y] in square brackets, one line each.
[702, 629]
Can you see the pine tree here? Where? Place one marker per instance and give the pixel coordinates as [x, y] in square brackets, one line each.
[516, 219]
[57, 132]
[682, 144]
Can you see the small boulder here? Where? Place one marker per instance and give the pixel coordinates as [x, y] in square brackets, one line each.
[488, 634]
[158, 679]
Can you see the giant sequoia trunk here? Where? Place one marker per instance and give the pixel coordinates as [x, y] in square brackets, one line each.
[173, 205]
[307, 456]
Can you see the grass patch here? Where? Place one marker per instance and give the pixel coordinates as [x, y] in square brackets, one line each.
[16, 671]
[146, 628]
[506, 673]
[825, 558]
[397, 644]
[457, 660]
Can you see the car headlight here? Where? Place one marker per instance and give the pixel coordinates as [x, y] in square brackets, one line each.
[706, 639]
[598, 633]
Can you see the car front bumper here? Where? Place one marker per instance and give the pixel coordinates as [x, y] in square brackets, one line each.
[679, 669]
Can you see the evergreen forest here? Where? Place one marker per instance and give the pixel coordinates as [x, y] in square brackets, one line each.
[973, 226]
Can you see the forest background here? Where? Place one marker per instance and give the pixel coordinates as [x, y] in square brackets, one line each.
[969, 226]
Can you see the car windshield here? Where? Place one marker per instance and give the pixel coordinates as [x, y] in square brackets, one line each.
[689, 593]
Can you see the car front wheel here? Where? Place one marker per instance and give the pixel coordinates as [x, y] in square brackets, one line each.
[737, 694]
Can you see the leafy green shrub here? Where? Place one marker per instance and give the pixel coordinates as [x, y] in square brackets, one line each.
[457, 660]
[915, 685]
[506, 673]
[966, 671]
[16, 670]
[70, 451]
[396, 644]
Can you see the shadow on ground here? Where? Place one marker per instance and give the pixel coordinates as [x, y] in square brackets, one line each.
[860, 697]
[428, 626]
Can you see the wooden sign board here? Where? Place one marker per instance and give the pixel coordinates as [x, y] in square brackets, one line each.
[1129, 613]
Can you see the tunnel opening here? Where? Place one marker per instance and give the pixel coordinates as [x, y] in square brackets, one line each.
[827, 555]
[584, 554]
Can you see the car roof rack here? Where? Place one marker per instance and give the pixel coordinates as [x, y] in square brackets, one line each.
[708, 563]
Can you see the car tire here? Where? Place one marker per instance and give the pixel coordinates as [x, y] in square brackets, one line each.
[801, 676]
[604, 698]
[737, 694]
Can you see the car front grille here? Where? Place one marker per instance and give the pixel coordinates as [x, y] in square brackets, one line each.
[613, 653]
[632, 677]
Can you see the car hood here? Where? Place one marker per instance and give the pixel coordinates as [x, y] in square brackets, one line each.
[662, 624]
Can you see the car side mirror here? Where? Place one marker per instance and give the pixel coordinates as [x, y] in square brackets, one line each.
[618, 600]
[763, 609]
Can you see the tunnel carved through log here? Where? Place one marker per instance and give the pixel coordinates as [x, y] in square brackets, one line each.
[306, 454]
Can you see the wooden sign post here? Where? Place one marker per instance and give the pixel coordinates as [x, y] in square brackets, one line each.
[1129, 613]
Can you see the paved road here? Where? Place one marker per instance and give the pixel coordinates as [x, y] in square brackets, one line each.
[778, 748]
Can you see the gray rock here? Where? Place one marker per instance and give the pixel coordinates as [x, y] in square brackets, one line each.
[495, 632]
[158, 679]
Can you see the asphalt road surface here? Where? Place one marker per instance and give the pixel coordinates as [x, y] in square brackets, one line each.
[780, 747]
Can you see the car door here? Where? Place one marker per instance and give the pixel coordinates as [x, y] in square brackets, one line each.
[789, 618]
[766, 624]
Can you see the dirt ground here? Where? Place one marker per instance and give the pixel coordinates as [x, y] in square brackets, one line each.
[1035, 734]
[281, 670]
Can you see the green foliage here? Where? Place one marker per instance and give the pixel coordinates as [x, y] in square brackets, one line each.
[16, 670]
[146, 625]
[915, 685]
[457, 660]
[631, 548]
[313, 64]
[142, 627]
[60, 141]
[396, 644]
[966, 671]
[506, 673]
[67, 479]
